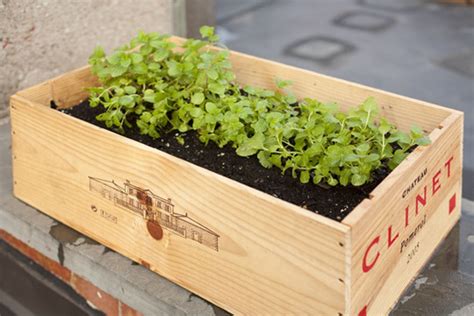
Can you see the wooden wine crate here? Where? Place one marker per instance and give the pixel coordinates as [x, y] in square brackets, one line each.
[244, 250]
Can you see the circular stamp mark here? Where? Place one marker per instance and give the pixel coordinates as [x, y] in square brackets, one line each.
[154, 229]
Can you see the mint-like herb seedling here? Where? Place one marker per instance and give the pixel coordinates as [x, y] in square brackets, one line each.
[194, 89]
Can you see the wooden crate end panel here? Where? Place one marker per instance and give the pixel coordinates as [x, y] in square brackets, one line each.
[40, 93]
[348, 273]
[452, 124]
[425, 244]
[65, 90]
[383, 235]
[70, 89]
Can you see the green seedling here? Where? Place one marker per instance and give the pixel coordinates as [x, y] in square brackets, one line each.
[194, 88]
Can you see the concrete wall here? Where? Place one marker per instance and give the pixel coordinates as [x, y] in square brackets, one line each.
[198, 13]
[43, 38]
[40, 39]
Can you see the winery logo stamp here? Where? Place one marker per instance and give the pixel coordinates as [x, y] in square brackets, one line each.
[158, 212]
[104, 214]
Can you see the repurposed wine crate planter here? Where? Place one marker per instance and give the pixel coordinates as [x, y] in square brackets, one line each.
[244, 250]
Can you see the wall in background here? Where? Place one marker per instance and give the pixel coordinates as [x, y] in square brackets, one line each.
[44, 38]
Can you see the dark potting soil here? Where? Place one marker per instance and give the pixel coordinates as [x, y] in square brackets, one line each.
[333, 202]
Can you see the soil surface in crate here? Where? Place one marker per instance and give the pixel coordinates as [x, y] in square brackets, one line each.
[333, 202]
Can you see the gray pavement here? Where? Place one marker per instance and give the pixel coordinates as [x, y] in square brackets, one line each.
[417, 48]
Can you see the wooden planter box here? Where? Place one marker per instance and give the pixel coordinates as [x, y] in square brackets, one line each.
[244, 250]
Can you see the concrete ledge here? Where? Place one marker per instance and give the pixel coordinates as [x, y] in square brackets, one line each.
[79, 260]
[95, 297]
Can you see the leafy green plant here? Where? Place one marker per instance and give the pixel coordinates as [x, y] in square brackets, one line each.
[167, 87]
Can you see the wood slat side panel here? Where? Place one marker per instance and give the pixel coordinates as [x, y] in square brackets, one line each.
[391, 239]
[271, 257]
[423, 246]
[402, 111]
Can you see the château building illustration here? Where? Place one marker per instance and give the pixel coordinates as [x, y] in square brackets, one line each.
[155, 209]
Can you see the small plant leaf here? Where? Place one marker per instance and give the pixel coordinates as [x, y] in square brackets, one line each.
[197, 98]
